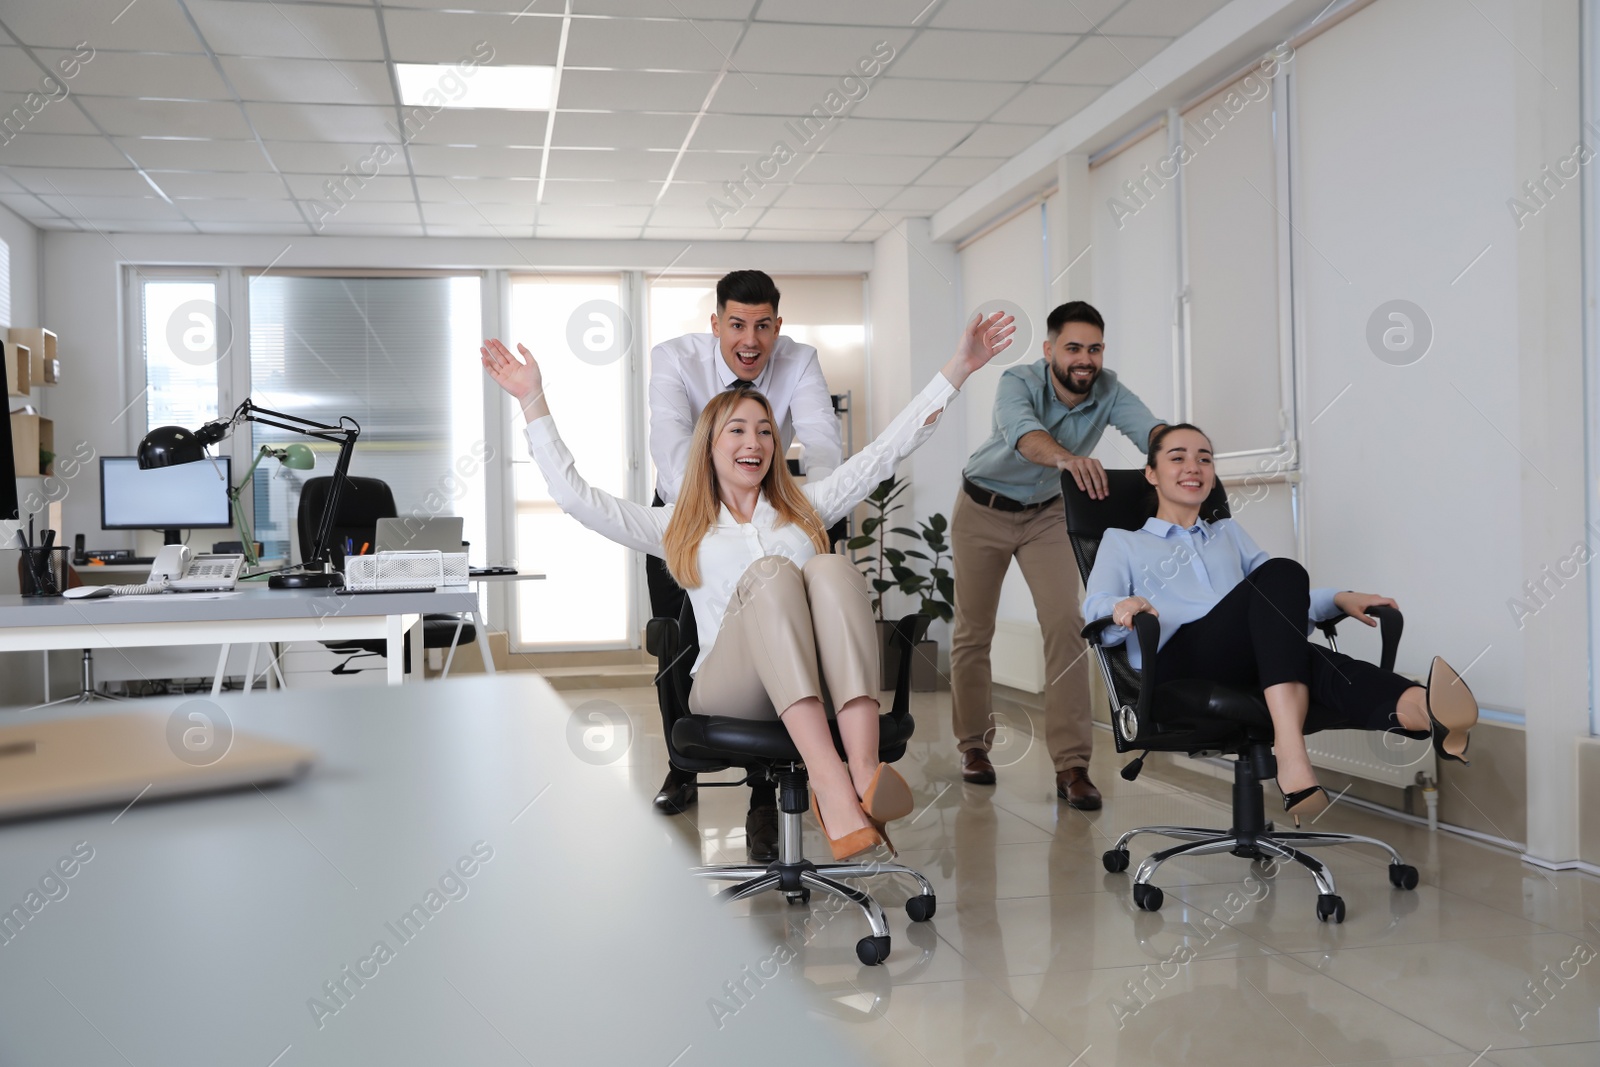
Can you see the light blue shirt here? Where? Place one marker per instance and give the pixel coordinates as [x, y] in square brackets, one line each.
[1025, 401]
[1184, 573]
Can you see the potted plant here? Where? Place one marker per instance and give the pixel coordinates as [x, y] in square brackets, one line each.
[889, 568]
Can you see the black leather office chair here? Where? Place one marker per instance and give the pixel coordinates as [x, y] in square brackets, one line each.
[1201, 717]
[362, 503]
[709, 743]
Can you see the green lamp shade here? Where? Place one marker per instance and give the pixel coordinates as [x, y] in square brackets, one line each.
[299, 457]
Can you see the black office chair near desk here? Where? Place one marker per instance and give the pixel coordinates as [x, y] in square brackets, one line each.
[708, 743]
[361, 504]
[1201, 717]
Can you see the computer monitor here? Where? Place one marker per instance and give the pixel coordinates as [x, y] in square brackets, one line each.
[8, 460]
[186, 496]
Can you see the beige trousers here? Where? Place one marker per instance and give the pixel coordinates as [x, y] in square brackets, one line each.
[983, 542]
[789, 633]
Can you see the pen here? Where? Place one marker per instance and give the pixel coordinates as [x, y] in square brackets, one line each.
[30, 531]
[349, 546]
[364, 545]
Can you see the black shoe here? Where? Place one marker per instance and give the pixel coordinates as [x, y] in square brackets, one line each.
[1452, 711]
[678, 793]
[761, 834]
[1313, 800]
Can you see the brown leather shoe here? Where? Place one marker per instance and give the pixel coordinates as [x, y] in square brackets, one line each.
[976, 768]
[1073, 786]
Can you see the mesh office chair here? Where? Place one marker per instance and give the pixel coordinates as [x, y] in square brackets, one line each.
[1201, 717]
[709, 743]
[361, 504]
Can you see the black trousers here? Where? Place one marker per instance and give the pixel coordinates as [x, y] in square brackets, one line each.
[1255, 637]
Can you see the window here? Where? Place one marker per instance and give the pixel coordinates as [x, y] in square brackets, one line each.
[397, 354]
[575, 327]
[184, 336]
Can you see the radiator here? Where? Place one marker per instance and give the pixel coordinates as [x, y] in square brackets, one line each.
[1389, 758]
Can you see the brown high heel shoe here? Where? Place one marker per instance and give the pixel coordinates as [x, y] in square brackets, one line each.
[850, 845]
[888, 796]
[1452, 711]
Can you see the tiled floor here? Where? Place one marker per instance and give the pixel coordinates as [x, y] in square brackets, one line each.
[1037, 956]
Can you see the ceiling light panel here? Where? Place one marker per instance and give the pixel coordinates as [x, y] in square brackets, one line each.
[513, 88]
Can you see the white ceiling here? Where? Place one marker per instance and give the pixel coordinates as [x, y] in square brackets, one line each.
[230, 116]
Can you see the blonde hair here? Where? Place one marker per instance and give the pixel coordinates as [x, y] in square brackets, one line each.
[698, 504]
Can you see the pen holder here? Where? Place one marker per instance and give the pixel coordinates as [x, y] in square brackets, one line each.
[37, 572]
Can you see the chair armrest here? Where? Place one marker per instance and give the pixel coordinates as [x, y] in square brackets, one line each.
[907, 632]
[1092, 632]
[656, 635]
[1390, 626]
[1147, 629]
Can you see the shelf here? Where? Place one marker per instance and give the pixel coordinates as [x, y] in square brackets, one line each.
[19, 370]
[31, 434]
[44, 366]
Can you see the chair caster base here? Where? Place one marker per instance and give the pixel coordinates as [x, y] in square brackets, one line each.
[1115, 860]
[920, 908]
[872, 950]
[1148, 897]
[1330, 908]
[1402, 876]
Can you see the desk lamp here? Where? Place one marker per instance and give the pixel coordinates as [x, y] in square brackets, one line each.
[296, 457]
[166, 446]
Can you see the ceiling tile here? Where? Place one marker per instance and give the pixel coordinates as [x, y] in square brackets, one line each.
[628, 90]
[591, 130]
[311, 157]
[460, 38]
[512, 190]
[588, 233]
[144, 27]
[839, 218]
[925, 197]
[476, 126]
[1103, 60]
[930, 98]
[51, 117]
[370, 213]
[971, 55]
[171, 77]
[340, 229]
[650, 44]
[114, 207]
[498, 233]
[837, 196]
[60, 150]
[763, 233]
[1160, 18]
[117, 225]
[681, 9]
[194, 155]
[26, 206]
[1025, 16]
[896, 13]
[625, 164]
[599, 217]
[999, 139]
[167, 118]
[304, 31]
[744, 133]
[675, 233]
[601, 192]
[718, 167]
[125, 182]
[18, 73]
[317, 186]
[863, 170]
[957, 171]
[367, 125]
[478, 215]
[764, 93]
[236, 210]
[895, 136]
[695, 194]
[279, 228]
[831, 51]
[486, 162]
[180, 185]
[692, 217]
[1050, 105]
[309, 80]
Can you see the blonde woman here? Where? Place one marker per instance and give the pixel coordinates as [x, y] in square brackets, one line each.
[781, 621]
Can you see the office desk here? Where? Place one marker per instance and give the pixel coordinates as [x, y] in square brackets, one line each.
[251, 615]
[201, 929]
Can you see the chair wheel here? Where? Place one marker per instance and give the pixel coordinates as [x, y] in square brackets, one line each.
[1115, 860]
[798, 896]
[1402, 876]
[872, 950]
[1330, 907]
[921, 907]
[1148, 897]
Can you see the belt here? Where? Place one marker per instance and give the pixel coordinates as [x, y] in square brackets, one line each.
[996, 501]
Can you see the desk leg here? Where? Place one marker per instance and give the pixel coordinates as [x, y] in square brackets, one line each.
[277, 654]
[395, 650]
[250, 668]
[46, 698]
[450, 657]
[483, 643]
[419, 654]
[222, 667]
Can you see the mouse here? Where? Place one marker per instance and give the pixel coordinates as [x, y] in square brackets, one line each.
[87, 592]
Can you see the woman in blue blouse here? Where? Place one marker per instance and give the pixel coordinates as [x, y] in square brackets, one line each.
[1231, 614]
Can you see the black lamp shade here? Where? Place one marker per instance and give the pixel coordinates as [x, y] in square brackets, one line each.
[166, 446]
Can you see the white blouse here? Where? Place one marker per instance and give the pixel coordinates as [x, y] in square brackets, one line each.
[729, 548]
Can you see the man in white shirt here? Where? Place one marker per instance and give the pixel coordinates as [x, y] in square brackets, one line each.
[744, 346]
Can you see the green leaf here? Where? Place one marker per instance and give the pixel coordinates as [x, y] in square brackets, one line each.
[939, 572]
[905, 574]
[941, 611]
[914, 553]
[904, 532]
[860, 541]
[894, 555]
[947, 588]
[938, 522]
[882, 585]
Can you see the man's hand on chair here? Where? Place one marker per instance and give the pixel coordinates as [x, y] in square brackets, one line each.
[1088, 473]
[1125, 610]
[1355, 605]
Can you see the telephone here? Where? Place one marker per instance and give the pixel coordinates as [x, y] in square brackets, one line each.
[177, 569]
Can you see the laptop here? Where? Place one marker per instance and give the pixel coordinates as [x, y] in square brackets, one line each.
[68, 764]
[441, 534]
